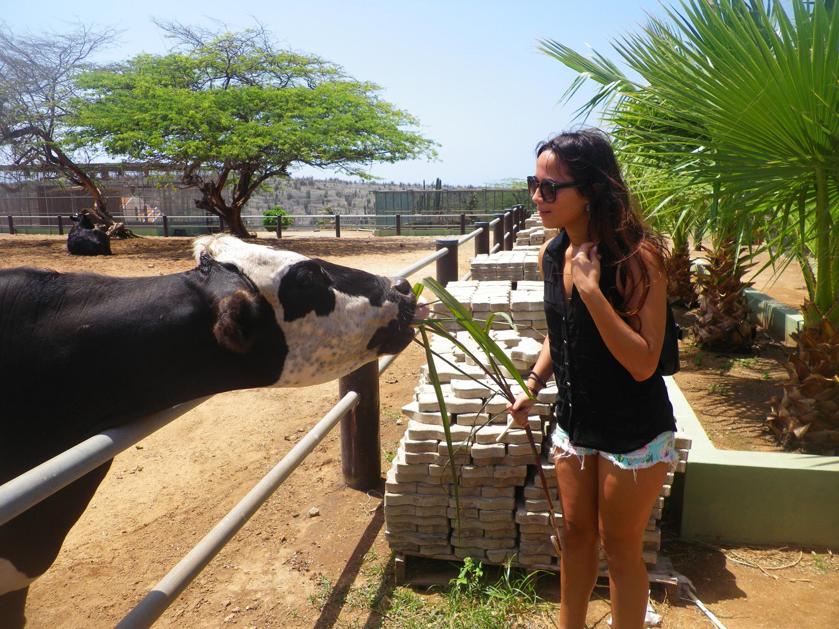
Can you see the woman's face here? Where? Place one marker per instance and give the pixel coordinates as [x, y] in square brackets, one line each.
[569, 207]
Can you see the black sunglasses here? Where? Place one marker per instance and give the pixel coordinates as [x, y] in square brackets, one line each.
[548, 187]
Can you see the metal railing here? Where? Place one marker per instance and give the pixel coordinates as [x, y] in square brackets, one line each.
[194, 225]
[358, 410]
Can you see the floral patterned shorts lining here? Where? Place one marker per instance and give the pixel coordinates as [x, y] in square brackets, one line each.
[660, 450]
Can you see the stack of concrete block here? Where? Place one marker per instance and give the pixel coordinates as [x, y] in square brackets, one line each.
[490, 464]
[462, 291]
[527, 309]
[530, 236]
[533, 518]
[482, 267]
[535, 223]
[512, 265]
[535, 235]
[489, 297]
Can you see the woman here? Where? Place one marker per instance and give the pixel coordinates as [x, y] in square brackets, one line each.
[613, 444]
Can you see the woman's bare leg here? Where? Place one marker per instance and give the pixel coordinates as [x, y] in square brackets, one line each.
[578, 562]
[626, 499]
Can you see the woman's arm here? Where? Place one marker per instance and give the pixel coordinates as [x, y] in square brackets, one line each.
[638, 351]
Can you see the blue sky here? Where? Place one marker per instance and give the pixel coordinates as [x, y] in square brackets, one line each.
[470, 71]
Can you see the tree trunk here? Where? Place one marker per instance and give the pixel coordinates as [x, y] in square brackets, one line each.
[680, 287]
[65, 165]
[213, 202]
[61, 162]
[806, 416]
[237, 226]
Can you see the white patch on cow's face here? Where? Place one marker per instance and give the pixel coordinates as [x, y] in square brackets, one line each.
[11, 578]
[320, 348]
[264, 266]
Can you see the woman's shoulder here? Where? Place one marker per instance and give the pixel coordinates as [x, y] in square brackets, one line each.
[651, 254]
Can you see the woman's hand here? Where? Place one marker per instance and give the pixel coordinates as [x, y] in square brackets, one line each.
[585, 268]
[520, 409]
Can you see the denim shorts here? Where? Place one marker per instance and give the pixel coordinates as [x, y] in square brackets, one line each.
[660, 450]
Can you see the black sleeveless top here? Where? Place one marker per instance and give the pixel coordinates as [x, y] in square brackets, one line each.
[600, 405]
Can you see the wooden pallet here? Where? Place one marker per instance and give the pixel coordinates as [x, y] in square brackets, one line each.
[419, 571]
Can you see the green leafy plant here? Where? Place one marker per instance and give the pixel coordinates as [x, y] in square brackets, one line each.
[270, 218]
[475, 602]
[468, 582]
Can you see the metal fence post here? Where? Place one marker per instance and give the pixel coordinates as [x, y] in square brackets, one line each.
[498, 232]
[482, 239]
[447, 265]
[508, 231]
[60, 225]
[462, 224]
[361, 459]
[11, 224]
[337, 226]
[398, 224]
[165, 225]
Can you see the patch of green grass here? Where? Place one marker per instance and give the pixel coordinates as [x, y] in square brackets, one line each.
[823, 565]
[697, 359]
[719, 388]
[725, 365]
[747, 363]
[390, 455]
[322, 594]
[391, 414]
[365, 596]
[765, 375]
[373, 568]
[472, 600]
[409, 610]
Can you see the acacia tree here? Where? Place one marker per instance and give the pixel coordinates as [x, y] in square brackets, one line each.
[229, 110]
[37, 92]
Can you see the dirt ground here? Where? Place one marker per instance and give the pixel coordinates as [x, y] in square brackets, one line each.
[287, 569]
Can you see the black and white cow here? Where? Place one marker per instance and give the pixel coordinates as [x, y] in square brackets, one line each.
[246, 316]
[85, 240]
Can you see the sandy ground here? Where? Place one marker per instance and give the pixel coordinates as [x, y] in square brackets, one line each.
[286, 569]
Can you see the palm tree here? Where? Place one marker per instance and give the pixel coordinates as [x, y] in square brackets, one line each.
[672, 206]
[750, 94]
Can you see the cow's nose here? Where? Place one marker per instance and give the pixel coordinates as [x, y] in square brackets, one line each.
[402, 285]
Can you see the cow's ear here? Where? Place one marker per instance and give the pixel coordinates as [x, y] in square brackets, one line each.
[205, 261]
[238, 321]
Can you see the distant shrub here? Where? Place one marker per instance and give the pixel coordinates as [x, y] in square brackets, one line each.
[269, 218]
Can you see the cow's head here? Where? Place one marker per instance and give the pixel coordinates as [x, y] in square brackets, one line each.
[334, 318]
[82, 219]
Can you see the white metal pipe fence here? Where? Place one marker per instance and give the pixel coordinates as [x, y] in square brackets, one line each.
[21, 493]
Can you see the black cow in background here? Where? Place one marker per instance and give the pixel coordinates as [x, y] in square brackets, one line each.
[85, 239]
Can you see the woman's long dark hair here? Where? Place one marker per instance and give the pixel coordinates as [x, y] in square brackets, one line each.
[614, 223]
